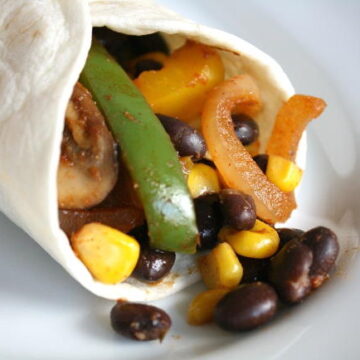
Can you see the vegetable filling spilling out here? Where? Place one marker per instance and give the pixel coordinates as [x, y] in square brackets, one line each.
[160, 155]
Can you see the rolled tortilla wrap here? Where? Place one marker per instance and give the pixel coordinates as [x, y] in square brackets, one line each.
[43, 48]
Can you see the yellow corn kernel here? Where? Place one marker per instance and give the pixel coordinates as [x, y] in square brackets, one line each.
[261, 241]
[186, 164]
[202, 179]
[221, 268]
[285, 174]
[109, 254]
[201, 309]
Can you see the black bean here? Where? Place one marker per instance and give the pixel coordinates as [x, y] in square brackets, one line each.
[287, 234]
[118, 45]
[145, 44]
[206, 162]
[247, 307]
[186, 140]
[246, 128]
[238, 209]
[139, 321]
[140, 233]
[124, 48]
[208, 219]
[325, 247]
[146, 65]
[289, 271]
[153, 264]
[262, 161]
[254, 269]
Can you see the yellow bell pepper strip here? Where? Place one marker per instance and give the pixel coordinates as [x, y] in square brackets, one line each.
[179, 89]
[147, 151]
[290, 124]
[233, 161]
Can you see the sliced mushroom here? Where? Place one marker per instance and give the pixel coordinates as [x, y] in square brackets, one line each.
[88, 163]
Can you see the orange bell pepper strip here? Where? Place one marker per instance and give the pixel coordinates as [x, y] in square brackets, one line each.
[290, 124]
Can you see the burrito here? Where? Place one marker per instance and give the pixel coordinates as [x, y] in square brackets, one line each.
[46, 47]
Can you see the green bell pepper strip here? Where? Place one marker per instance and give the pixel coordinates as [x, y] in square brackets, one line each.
[147, 150]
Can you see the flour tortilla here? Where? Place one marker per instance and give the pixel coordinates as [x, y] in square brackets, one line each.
[43, 48]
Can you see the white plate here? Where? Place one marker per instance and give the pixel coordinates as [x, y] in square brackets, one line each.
[44, 314]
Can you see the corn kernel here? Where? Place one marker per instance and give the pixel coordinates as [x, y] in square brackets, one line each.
[261, 241]
[109, 254]
[221, 268]
[285, 174]
[201, 309]
[202, 179]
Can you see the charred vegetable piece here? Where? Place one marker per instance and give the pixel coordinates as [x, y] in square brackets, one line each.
[290, 123]
[139, 321]
[235, 164]
[148, 153]
[179, 89]
[88, 162]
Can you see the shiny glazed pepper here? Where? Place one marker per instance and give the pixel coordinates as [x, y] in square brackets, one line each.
[179, 89]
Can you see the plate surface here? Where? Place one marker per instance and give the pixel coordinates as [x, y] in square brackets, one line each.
[45, 314]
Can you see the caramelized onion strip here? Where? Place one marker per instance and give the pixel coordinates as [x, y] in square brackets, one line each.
[233, 161]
